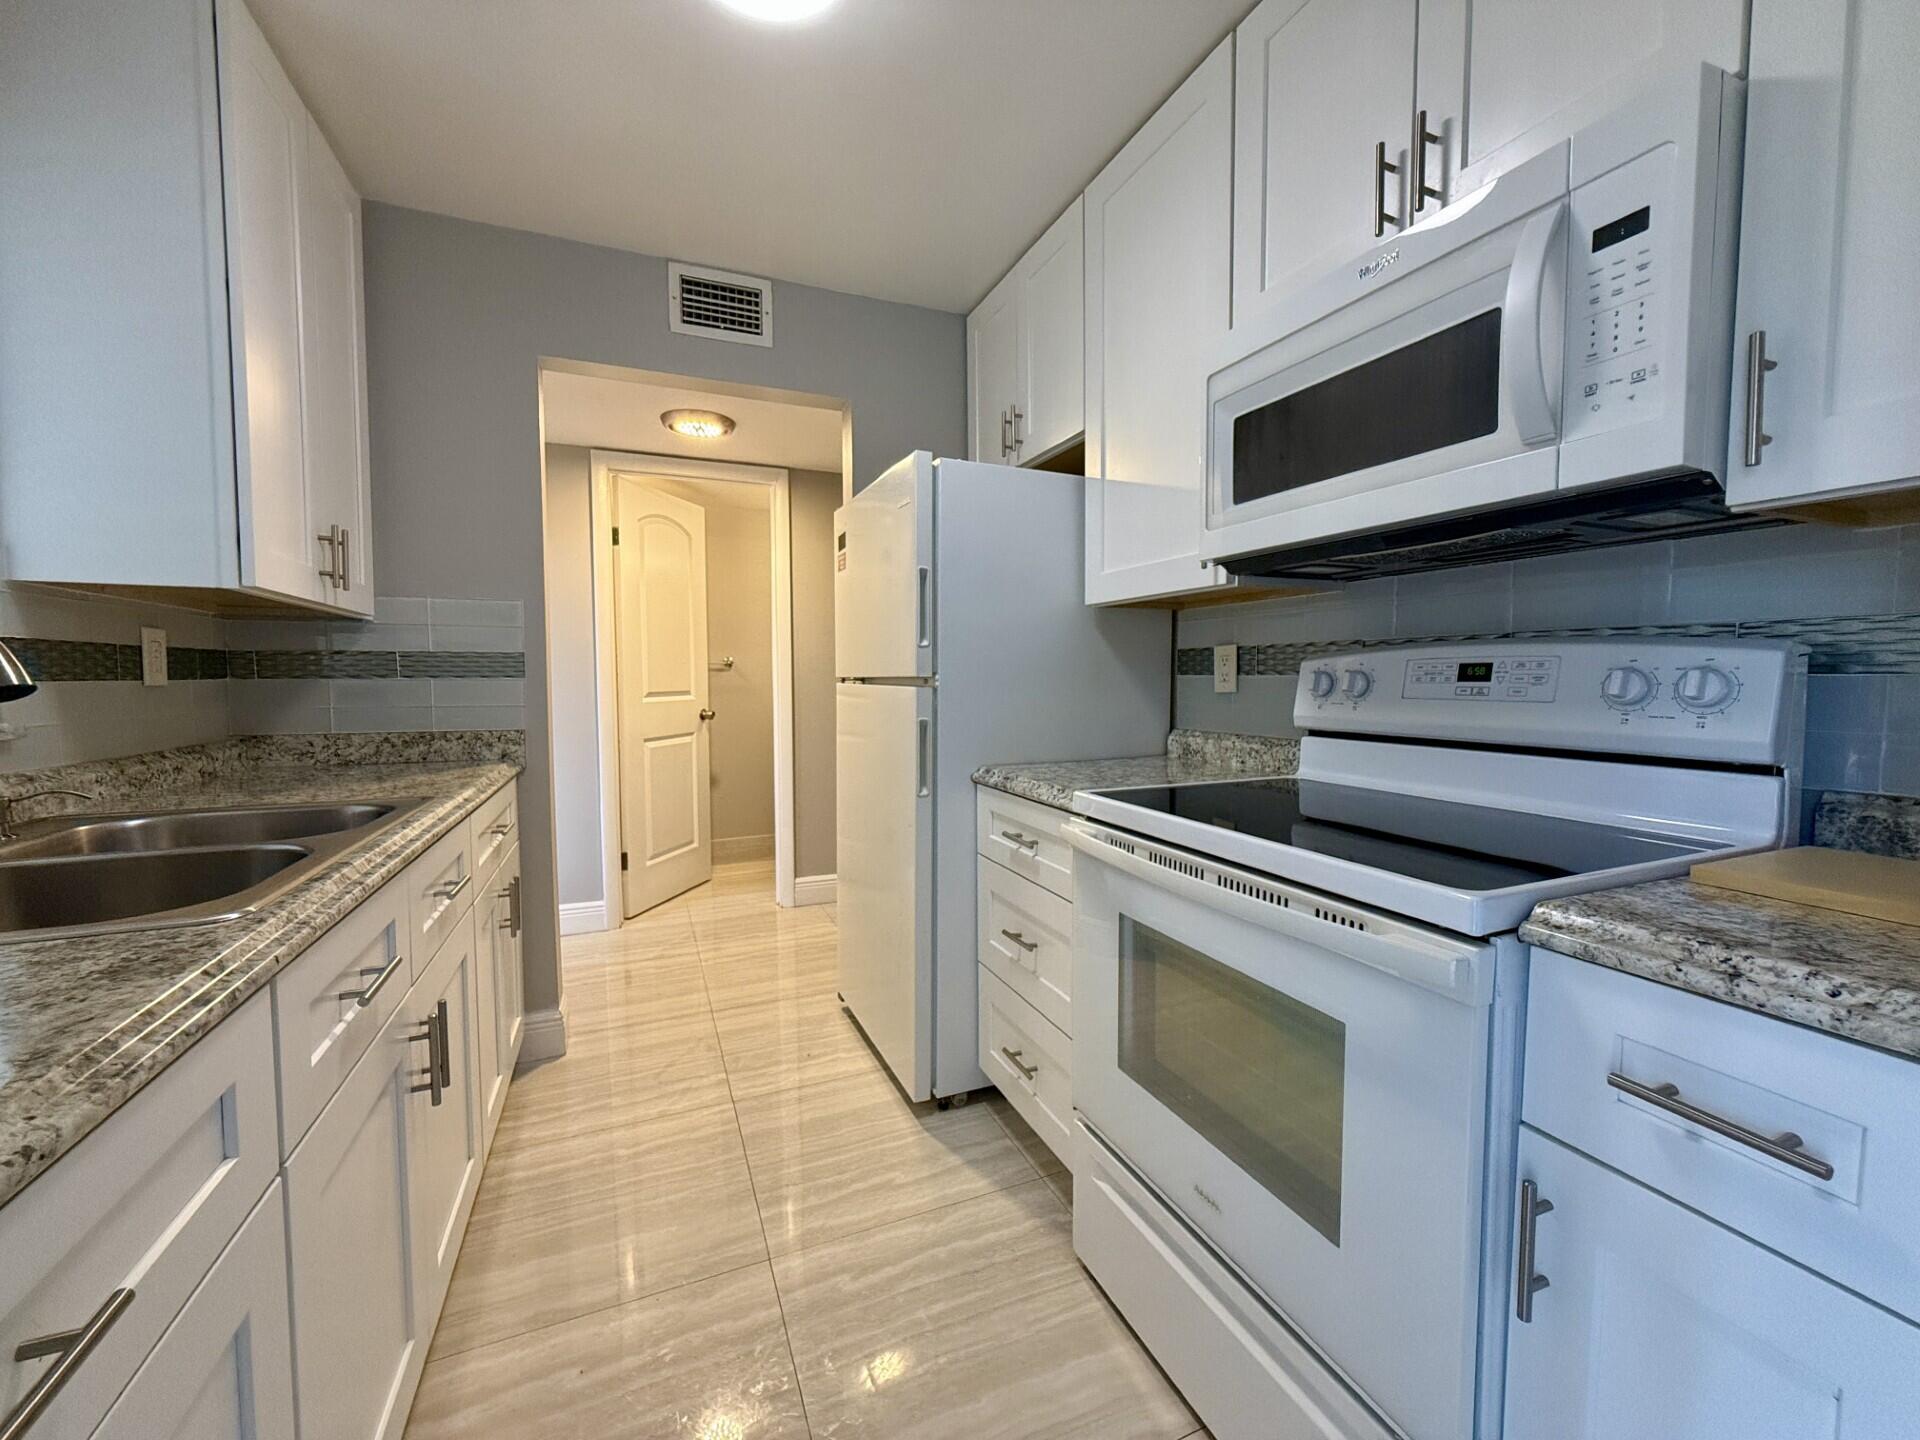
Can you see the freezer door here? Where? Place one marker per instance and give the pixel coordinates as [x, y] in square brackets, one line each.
[884, 762]
[883, 576]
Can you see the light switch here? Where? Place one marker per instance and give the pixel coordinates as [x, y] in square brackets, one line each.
[1226, 669]
[153, 656]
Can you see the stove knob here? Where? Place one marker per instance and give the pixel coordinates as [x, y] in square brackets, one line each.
[1323, 683]
[1627, 687]
[1359, 682]
[1705, 688]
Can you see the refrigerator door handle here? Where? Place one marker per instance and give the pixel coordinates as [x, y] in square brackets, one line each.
[925, 757]
[926, 619]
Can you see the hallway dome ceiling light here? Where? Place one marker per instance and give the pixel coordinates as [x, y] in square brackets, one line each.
[778, 12]
[697, 424]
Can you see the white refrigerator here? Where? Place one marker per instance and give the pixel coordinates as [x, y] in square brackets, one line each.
[961, 637]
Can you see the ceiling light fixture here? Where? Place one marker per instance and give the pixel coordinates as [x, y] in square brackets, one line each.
[778, 12]
[697, 424]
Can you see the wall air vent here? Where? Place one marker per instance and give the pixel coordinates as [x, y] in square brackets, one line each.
[719, 305]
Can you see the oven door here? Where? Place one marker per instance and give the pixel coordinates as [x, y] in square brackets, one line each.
[1305, 1082]
[1422, 380]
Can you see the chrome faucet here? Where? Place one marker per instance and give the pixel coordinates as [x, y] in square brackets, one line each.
[7, 802]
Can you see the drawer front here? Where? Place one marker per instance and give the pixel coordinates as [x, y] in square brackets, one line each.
[440, 887]
[1026, 939]
[145, 1203]
[1853, 1109]
[331, 1002]
[1029, 1061]
[1026, 838]
[495, 828]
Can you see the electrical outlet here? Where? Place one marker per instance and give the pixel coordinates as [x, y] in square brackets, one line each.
[1226, 669]
[153, 656]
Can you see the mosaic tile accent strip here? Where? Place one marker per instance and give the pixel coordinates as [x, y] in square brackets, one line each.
[462, 664]
[68, 660]
[82, 660]
[1839, 645]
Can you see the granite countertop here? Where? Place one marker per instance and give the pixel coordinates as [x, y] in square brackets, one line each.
[1192, 756]
[1845, 974]
[85, 1022]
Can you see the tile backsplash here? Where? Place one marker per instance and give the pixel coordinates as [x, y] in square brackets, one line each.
[419, 664]
[1851, 596]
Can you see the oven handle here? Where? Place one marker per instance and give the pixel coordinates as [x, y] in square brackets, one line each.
[1446, 967]
[1534, 392]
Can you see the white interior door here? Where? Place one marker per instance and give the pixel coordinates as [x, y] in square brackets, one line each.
[660, 627]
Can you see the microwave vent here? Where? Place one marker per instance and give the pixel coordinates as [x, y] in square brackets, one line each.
[719, 305]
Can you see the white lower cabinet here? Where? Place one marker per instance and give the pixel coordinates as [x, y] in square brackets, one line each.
[502, 1000]
[1655, 1321]
[443, 1119]
[224, 1369]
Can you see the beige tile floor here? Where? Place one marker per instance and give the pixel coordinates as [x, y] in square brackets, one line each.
[717, 1219]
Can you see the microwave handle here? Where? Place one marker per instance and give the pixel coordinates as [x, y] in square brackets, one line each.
[1534, 392]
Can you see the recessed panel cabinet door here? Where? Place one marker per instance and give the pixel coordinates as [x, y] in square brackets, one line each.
[1051, 405]
[993, 349]
[1657, 1322]
[443, 1121]
[263, 129]
[1318, 86]
[1826, 256]
[224, 1369]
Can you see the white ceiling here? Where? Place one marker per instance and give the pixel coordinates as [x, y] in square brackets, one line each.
[625, 415]
[907, 149]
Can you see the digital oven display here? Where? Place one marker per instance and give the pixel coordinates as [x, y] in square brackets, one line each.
[1625, 228]
[1474, 672]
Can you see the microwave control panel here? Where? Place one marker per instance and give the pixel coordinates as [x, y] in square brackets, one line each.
[1618, 321]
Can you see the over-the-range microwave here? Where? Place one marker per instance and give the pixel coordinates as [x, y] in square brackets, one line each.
[1541, 366]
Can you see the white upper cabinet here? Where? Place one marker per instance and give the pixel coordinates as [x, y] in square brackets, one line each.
[1501, 80]
[182, 370]
[1159, 222]
[1026, 369]
[1321, 138]
[1827, 239]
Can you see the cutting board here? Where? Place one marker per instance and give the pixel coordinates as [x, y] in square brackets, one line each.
[1845, 880]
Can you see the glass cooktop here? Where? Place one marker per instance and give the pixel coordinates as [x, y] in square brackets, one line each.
[1442, 842]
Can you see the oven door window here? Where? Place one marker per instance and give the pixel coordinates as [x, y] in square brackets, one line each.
[1260, 1076]
[1442, 389]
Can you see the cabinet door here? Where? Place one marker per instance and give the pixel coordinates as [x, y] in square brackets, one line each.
[1502, 80]
[359, 1326]
[1159, 260]
[224, 1369]
[1318, 84]
[1656, 1321]
[443, 1132]
[334, 371]
[494, 917]
[510, 1006]
[263, 129]
[1825, 249]
[1051, 407]
[993, 351]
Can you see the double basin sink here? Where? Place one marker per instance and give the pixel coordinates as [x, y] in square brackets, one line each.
[80, 874]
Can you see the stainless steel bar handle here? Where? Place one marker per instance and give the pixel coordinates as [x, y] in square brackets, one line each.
[342, 561]
[1382, 167]
[1021, 940]
[1006, 433]
[1757, 367]
[1418, 187]
[513, 905]
[1784, 1147]
[1019, 429]
[1024, 841]
[452, 892]
[365, 997]
[1528, 1282]
[73, 1347]
[446, 1046]
[432, 1033]
[1027, 1072]
[330, 537]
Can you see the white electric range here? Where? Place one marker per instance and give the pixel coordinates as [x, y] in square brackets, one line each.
[1298, 1003]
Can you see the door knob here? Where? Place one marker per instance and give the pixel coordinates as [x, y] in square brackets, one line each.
[706, 714]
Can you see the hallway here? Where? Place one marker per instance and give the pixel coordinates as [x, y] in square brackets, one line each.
[716, 1219]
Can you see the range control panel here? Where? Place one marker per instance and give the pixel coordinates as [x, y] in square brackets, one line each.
[1734, 701]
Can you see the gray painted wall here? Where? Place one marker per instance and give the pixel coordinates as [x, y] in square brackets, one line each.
[812, 497]
[459, 316]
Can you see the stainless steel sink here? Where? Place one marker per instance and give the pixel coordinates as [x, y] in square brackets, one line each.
[185, 829]
[82, 874]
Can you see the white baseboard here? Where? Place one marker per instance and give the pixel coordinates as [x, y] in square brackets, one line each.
[543, 1036]
[737, 848]
[583, 917]
[813, 889]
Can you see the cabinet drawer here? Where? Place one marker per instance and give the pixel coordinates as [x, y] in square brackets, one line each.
[1026, 940]
[146, 1203]
[1028, 1060]
[1854, 1109]
[1026, 838]
[329, 1004]
[439, 891]
[495, 826]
